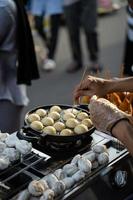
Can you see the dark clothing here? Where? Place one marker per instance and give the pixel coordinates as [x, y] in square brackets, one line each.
[128, 58]
[10, 116]
[50, 42]
[27, 64]
[82, 13]
[55, 21]
[40, 28]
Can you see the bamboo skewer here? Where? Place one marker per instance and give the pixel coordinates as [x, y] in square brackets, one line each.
[121, 71]
[81, 80]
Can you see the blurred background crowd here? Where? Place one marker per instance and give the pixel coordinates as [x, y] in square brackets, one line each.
[47, 18]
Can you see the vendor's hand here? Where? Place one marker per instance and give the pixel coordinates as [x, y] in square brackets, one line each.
[91, 86]
[105, 115]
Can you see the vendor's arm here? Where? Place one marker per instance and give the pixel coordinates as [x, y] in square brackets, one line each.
[123, 130]
[98, 86]
[121, 85]
[106, 117]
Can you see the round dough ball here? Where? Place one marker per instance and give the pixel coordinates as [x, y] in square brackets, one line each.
[47, 121]
[87, 122]
[3, 136]
[41, 112]
[49, 130]
[99, 148]
[59, 126]
[80, 129]
[36, 188]
[103, 158]
[36, 125]
[82, 115]
[48, 195]
[4, 162]
[84, 165]
[2, 146]
[33, 117]
[71, 123]
[67, 116]
[11, 153]
[55, 108]
[11, 140]
[23, 146]
[54, 115]
[90, 155]
[66, 132]
[71, 110]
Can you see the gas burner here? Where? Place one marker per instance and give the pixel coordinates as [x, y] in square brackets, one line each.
[58, 150]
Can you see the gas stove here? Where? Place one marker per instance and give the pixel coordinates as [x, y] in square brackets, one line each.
[111, 181]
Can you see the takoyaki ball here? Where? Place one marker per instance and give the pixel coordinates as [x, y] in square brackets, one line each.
[67, 116]
[82, 115]
[41, 112]
[33, 117]
[36, 188]
[80, 129]
[47, 121]
[72, 123]
[87, 122]
[36, 125]
[71, 110]
[59, 126]
[55, 109]
[99, 148]
[54, 115]
[49, 130]
[103, 158]
[66, 132]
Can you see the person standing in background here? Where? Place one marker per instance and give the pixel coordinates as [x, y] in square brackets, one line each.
[52, 8]
[77, 13]
[18, 66]
[128, 57]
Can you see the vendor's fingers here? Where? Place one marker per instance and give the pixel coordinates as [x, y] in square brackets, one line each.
[85, 84]
[80, 93]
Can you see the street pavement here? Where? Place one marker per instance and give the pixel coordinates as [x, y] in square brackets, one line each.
[56, 87]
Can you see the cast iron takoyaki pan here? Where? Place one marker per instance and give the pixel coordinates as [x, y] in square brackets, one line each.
[32, 135]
